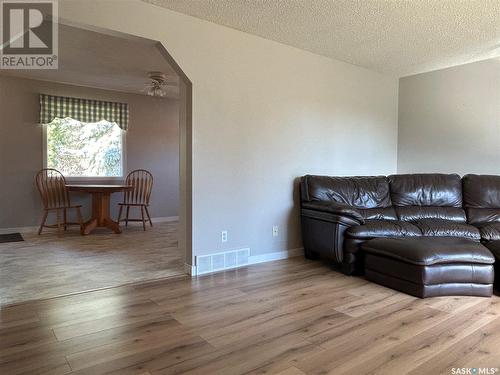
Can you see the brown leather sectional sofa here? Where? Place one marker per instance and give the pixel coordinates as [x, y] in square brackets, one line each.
[340, 214]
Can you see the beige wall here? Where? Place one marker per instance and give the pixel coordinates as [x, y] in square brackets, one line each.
[152, 143]
[263, 114]
[449, 120]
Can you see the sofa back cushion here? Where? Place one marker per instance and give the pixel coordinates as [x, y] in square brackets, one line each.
[427, 196]
[481, 198]
[359, 192]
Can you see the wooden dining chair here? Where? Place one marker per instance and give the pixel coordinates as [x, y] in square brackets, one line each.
[142, 182]
[55, 197]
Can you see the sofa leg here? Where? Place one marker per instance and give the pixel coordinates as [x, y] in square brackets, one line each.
[311, 255]
[336, 266]
[349, 269]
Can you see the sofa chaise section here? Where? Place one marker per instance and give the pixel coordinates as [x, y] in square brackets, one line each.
[428, 267]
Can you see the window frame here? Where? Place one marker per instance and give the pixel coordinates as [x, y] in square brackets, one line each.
[88, 178]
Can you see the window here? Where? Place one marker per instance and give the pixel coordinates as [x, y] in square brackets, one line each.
[79, 149]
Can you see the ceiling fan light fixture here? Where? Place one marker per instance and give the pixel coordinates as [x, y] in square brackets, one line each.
[157, 91]
[158, 83]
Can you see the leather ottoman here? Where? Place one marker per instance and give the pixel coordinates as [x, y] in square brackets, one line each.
[430, 266]
[494, 247]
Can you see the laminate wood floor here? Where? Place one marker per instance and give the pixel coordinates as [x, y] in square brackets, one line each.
[47, 266]
[289, 317]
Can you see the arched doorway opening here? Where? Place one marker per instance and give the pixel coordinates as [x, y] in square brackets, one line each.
[100, 65]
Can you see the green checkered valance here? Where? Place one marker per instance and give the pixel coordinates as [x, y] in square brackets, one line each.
[84, 110]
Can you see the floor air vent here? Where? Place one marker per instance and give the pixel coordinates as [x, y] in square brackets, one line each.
[222, 261]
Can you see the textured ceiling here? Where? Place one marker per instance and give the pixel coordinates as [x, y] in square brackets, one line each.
[399, 37]
[88, 58]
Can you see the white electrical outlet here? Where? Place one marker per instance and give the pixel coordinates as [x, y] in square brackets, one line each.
[276, 231]
[223, 236]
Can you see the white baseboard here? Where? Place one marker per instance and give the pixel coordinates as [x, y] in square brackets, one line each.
[189, 269]
[255, 259]
[19, 230]
[164, 219]
[34, 229]
[269, 257]
[155, 220]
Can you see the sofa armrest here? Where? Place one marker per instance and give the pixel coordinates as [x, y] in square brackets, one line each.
[323, 227]
[323, 234]
[335, 208]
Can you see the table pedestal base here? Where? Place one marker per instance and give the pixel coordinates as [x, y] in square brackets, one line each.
[91, 224]
[100, 214]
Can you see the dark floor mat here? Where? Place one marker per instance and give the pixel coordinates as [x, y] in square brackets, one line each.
[11, 237]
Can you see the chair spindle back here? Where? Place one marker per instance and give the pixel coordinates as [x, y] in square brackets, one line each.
[142, 181]
[52, 187]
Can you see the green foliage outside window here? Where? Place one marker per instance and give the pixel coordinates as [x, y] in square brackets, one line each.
[83, 149]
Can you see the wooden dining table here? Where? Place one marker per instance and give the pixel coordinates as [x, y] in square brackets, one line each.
[101, 196]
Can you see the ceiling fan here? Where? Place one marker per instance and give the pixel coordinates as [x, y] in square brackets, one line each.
[158, 84]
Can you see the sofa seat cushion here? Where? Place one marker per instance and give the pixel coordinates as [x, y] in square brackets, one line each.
[383, 228]
[490, 232]
[445, 228]
[426, 251]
